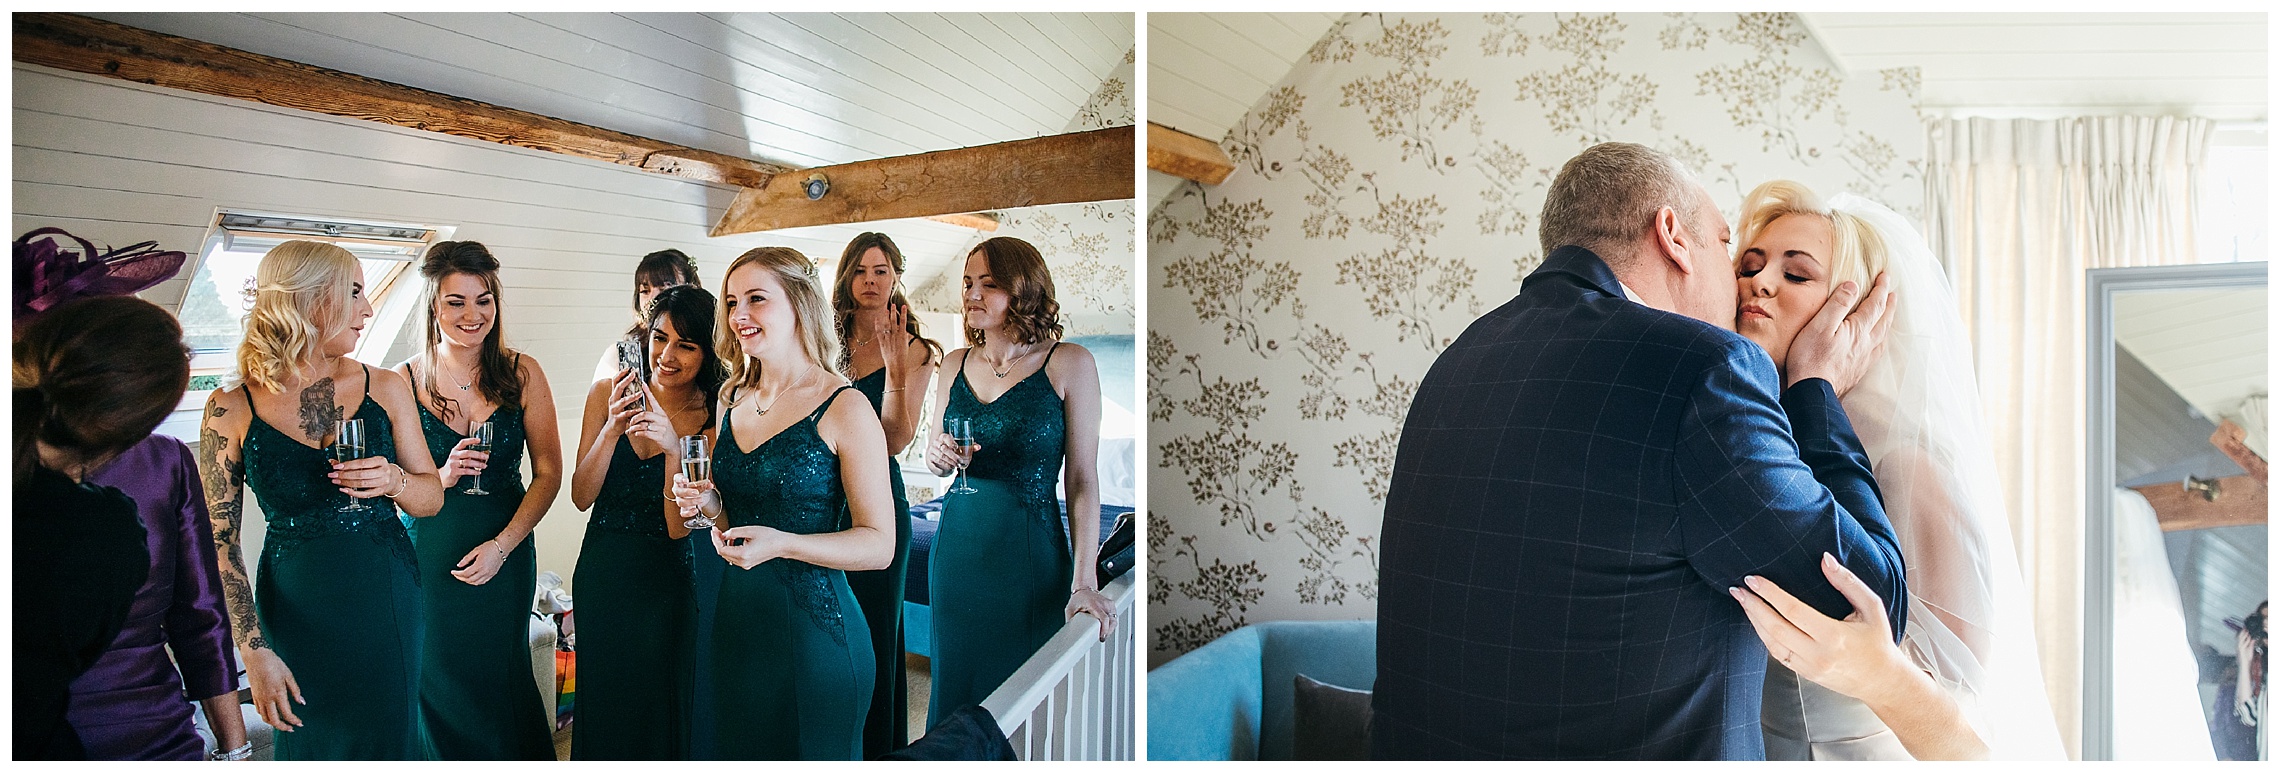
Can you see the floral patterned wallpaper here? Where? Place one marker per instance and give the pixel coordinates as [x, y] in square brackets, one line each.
[1386, 193]
[1089, 246]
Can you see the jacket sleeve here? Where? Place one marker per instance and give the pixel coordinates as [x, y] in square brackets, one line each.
[1766, 486]
[197, 625]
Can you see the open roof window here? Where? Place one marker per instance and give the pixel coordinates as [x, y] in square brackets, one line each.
[214, 307]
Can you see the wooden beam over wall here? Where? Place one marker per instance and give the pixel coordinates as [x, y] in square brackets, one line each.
[2241, 501]
[1187, 156]
[1058, 169]
[96, 47]
[2233, 440]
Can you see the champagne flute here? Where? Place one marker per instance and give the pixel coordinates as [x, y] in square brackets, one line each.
[482, 433]
[962, 433]
[348, 446]
[696, 465]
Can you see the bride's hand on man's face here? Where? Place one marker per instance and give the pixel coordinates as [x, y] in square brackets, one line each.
[1842, 340]
[1854, 656]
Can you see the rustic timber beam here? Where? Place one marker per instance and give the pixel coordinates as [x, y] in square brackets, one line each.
[1187, 156]
[2241, 501]
[2233, 440]
[1057, 169]
[96, 47]
[979, 221]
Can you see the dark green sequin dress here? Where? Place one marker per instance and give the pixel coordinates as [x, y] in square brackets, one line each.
[339, 599]
[477, 693]
[792, 663]
[880, 593]
[636, 620]
[998, 575]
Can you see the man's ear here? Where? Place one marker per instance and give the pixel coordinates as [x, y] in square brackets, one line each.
[1672, 240]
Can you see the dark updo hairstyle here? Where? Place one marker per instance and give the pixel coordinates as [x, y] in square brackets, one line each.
[691, 310]
[843, 296]
[94, 376]
[1016, 265]
[496, 377]
[660, 269]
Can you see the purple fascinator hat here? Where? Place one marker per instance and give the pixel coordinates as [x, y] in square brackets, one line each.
[49, 271]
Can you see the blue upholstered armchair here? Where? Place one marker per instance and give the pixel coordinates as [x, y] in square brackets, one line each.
[1231, 699]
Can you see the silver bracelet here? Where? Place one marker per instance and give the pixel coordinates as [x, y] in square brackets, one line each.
[244, 751]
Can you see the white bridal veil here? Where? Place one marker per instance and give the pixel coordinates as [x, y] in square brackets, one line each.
[1917, 411]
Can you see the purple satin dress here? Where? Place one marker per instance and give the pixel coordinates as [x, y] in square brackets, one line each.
[132, 704]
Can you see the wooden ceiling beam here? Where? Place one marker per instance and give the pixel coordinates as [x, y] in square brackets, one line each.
[96, 47]
[1187, 156]
[2233, 440]
[2241, 500]
[1056, 169]
[979, 221]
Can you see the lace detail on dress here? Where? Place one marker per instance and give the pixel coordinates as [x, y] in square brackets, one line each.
[632, 500]
[1023, 434]
[300, 504]
[790, 483]
[503, 475]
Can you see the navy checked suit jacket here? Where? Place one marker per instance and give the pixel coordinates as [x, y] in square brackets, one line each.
[1579, 481]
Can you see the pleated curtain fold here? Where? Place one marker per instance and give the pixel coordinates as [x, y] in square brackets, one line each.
[2019, 209]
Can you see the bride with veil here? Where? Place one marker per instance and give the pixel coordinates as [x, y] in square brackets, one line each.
[1917, 412]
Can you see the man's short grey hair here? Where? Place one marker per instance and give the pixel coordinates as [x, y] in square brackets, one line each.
[1607, 196]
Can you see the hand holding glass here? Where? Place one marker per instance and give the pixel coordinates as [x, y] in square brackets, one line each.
[348, 446]
[482, 433]
[962, 434]
[696, 466]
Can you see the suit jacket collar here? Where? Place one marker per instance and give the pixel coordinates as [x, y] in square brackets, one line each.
[1582, 264]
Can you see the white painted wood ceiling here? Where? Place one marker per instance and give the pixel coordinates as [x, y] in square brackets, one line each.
[2208, 345]
[2040, 65]
[799, 89]
[1205, 70]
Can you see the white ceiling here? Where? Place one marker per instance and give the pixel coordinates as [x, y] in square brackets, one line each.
[2037, 65]
[1205, 70]
[2208, 345]
[799, 89]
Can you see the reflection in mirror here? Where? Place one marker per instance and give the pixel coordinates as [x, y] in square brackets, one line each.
[2177, 570]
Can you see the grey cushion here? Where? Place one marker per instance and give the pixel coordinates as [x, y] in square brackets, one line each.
[1329, 722]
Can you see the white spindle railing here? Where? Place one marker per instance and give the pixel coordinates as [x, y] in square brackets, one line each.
[1073, 699]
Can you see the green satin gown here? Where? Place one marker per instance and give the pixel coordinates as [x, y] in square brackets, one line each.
[792, 664]
[477, 693]
[880, 594]
[636, 621]
[339, 599]
[998, 575]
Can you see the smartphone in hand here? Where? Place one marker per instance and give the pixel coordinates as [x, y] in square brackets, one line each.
[632, 358]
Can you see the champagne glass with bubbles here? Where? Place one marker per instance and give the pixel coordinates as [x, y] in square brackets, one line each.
[482, 433]
[348, 446]
[696, 465]
[962, 433]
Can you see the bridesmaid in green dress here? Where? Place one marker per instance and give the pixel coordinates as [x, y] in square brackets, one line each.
[636, 598]
[330, 638]
[791, 652]
[478, 568]
[1000, 578]
[883, 342]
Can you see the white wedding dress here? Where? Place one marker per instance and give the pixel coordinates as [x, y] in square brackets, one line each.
[1917, 413]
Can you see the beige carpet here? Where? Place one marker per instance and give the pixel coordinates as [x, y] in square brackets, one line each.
[921, 684]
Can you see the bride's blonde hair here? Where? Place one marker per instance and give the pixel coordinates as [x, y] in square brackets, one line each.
[302, 294]
[1860, 252]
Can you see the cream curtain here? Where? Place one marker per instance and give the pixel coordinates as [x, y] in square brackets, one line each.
[2019, 209]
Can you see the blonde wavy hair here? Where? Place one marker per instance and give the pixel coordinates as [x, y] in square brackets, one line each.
[809, 311]
[1859, 253]
[302, 294]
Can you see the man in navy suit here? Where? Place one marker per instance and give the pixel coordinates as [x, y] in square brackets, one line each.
[1587, 471]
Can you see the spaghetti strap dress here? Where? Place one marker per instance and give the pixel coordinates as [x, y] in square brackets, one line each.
[338, 595]
[880, 593]
[477, 693]
[998, 576]
[636, 620]
[792, 666]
